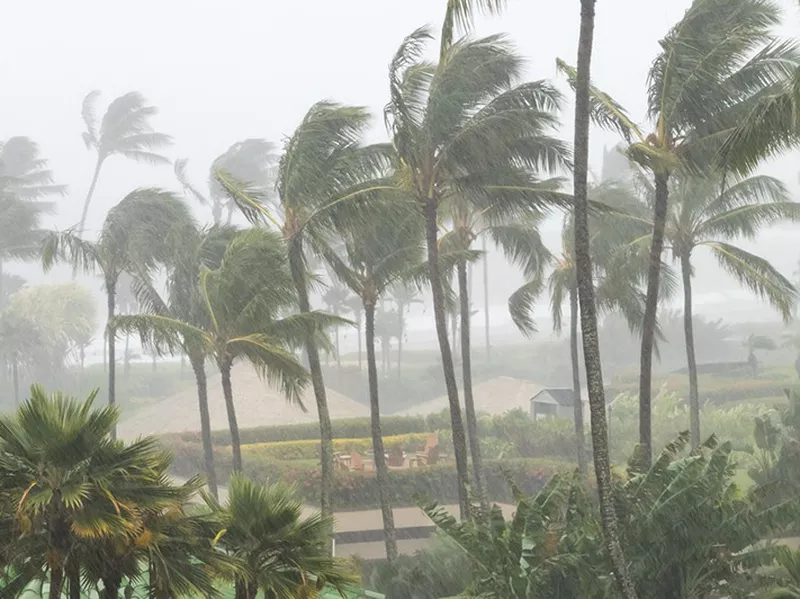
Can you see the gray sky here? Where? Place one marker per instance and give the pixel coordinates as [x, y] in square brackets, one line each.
[223, 71]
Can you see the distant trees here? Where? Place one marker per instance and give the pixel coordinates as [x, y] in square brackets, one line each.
[124, 130]
[136, 236]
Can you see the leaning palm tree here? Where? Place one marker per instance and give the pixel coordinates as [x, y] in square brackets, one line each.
[324, 177]
[248, 301]
[715, 66]
[707, 213]
[373, 259]
[135, 238]
[588, 310]
[283, 554]
[124, 130]
[463, 128]
[195, 250]
[251, 160]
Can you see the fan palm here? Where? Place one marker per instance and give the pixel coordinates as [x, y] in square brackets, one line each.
[586, 299]
[125, 129]
[465, 129]
[71, 483]
[373, 259]
[707, 213]
[251, 160]
[324, 175]
[25, 182]
[715, 66]
[136, 236]
[281, 551]
[246, 302]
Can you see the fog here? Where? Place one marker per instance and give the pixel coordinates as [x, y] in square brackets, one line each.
[251, 69]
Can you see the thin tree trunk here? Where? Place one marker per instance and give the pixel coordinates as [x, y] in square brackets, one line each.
[15, 378]
[381, 469]
[580, 439]
[230, 408]
[649, 322]
[401, 314]
[325, 429]
[358, 328]
[88, 199]
[466, 374]
[74, 582]
[691, 361]
[440, 316]
[126, 364]
[588, 312]
[199, 368]
[111, 587]
[111, 333]
[56, 583]
[486, 331]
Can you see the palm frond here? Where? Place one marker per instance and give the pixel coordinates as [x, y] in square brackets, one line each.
[460, 16]
[758, 275]
[521, 304]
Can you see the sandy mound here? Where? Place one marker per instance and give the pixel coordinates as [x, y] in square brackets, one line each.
[257, 404]
[495, 396]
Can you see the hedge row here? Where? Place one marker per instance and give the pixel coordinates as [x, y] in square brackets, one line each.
[309, 450]
[351, 428]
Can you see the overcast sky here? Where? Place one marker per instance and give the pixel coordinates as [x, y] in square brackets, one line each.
[223, 71]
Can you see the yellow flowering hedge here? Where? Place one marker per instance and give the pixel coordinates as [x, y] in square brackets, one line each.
[309, 449]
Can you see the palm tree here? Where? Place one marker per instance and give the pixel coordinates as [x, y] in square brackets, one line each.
[124, 130]
[25, 182]
[282, 552]
[70, 484]
[374, 259]
[20, 340]
[355, 306]
[196, 250]
[714, 69]
[404, 296]
[251, 160]
[335, 299]
[248, 302]
[588, 310]
[708, 213]
[324, 176]
[463, 128]
[136, 236]
[616, 275]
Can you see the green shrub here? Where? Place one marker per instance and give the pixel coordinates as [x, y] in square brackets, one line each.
[309, 450]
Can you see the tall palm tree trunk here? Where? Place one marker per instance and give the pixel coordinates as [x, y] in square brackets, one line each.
[56, 583]
[440, 317]
[691, 361]
[111, 587]
[381, 469]
[486, 330]
[230, 408]
[649, 322]
[88, 199]
[580, 438]
[358, 330]
[73, 572]
[297, 267]
[401, 313]
[466, 376]
[111, 335]
[588, 310]
[199, 368]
